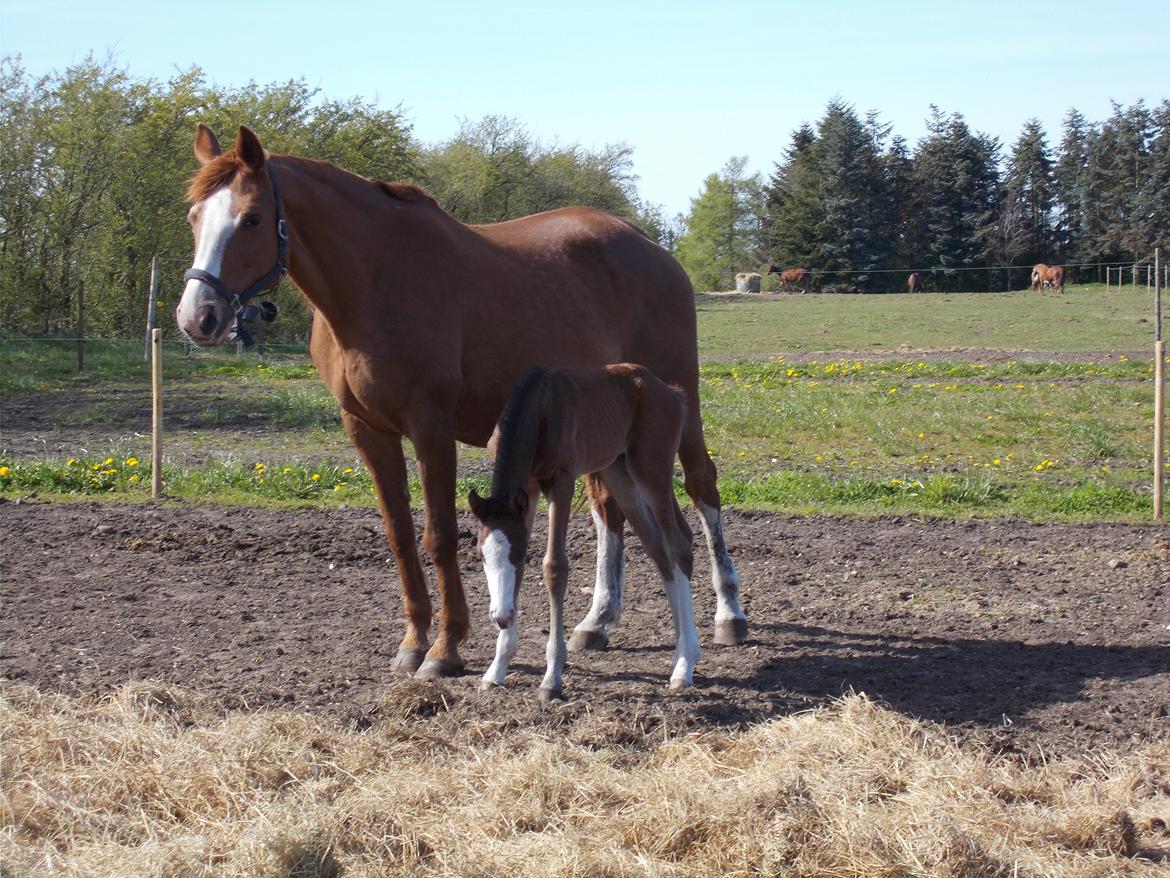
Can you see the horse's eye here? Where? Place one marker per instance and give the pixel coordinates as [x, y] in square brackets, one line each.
[250, 221]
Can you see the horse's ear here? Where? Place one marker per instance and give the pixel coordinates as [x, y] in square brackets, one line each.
[248, 149]
[476, 503]
[206, 144]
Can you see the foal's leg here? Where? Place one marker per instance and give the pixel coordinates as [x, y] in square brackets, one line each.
[434, 443]
[655, 523]
[592, 632]
[556, 577]
[382, 454]
[731, 625]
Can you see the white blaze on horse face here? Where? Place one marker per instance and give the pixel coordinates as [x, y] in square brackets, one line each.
[216, 225]
[501, 577]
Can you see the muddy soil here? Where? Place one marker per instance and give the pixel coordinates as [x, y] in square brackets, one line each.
[1032, 639]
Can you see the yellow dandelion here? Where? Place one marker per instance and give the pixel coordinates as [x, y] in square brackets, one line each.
[921, 435]
[107, 461]
[131, 461]
[996, 461]
[820, 459]
[133, 479]
[70, 462]
[348, 470]
[316, 477]
[4, 472]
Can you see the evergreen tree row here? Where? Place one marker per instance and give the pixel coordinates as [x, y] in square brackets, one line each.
[860, 209]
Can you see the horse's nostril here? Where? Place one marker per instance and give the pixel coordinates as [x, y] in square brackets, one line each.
[208, 321]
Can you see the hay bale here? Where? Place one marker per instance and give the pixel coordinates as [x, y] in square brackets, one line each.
[747, 282]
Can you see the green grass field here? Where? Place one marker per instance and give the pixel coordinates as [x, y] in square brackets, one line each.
[1037, 436]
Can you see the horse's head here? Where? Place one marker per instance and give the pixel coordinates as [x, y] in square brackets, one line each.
[239, 233]
[503, 543]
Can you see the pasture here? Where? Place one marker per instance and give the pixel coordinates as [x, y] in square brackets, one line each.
[957, 665]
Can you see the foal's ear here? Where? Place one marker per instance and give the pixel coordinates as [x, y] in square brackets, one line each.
[520, 501]
[476, 504]
[248, 149]
[206, 144]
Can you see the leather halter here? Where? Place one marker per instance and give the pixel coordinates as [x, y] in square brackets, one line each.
[237, 301]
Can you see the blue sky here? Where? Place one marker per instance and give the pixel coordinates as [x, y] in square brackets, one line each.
[686, 84]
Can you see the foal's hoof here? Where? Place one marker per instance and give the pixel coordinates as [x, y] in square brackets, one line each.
[679, 684]
[731, 632]
[409, 659]
[584, 639]
[548, 696]
[490, 686]
[435, 669]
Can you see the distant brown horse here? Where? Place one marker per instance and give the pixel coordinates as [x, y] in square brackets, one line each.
[621, 423]
[1044, 276]
[421, 326]
[800, 277]
[915, 283]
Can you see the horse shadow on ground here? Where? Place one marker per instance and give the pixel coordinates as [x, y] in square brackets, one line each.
[951, 681]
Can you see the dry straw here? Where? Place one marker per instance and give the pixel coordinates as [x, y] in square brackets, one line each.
[158, 781]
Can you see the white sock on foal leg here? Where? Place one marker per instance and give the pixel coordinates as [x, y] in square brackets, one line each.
[592, 632]
[507, 642]
[687, 649]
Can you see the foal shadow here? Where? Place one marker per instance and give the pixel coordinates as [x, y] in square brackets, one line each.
[985, 682]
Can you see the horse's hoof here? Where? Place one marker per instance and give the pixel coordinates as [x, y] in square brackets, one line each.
[731, 632]
[490, 686]
[409, 659]
[435, 669]
[584, 639]
[678, 684]
[548, 696]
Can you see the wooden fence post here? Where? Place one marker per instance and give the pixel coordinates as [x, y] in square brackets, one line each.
[1159, 392]
[151, 308]
[80, 325]
[156, 414]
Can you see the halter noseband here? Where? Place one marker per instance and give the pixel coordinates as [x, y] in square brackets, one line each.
[238, 301]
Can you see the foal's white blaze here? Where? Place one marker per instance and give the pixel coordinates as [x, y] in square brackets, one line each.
[724, 577]
[501, 577]
[216, 225]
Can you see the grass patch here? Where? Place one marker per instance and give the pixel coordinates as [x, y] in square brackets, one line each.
[1087, 317]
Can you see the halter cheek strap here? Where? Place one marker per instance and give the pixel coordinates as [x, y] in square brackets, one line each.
[238, 300]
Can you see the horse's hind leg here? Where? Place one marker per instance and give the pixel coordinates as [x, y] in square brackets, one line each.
[731, 625]
[382, 454]
[556, 578]
[656, 522]
[592, 632]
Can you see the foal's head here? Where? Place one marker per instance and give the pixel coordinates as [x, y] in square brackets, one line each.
[233, 217]
[503, 543]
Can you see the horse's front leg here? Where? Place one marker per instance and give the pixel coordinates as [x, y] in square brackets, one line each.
[434, 443]
[592, 632]
[556, 578]
[382, 454]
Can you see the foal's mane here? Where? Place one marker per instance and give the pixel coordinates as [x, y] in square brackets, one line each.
[521, 433]
[223, 168]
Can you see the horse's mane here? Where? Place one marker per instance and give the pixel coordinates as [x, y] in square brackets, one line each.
[217, 172]
[519, 434]
[223, 168]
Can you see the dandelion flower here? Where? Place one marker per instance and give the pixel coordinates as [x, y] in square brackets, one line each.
[131, 461]
[316, 477]
[4, 472]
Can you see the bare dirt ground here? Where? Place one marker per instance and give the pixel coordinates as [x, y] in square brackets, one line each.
[1034, 639]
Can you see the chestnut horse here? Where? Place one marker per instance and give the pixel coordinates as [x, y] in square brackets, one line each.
[620, 423]
[421, 326]
[1044, 276]
[914, 282]
[800, 277]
